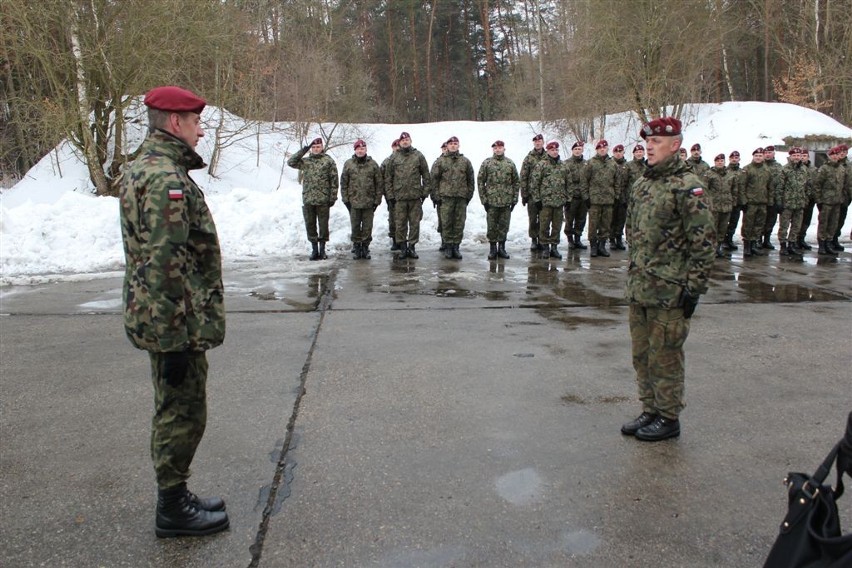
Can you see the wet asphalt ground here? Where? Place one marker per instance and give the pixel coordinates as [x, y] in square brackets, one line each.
[427, 413]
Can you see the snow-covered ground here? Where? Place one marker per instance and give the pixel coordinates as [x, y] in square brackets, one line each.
[52, 227]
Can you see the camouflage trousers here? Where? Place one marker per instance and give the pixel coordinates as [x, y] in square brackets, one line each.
[551, 224]
[361, 221]
[771, 218]
[753, 221]
[619, 218]
[657, 336]
[829, 216]
[498, 223]
[391, 220]
[807, 217]
[722, 219]
[600, 219]
[316, 222]
[453, 211]
[575, 217]
[409, 213]
[180, 416]
[733, 221]
[790, 225]
[535, 223]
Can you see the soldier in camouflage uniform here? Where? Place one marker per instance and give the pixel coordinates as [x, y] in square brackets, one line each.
[670, 234]
[498, 184]
[683, 155]
[830, 183]
[548, 189]
[756, 181]
[619, 208]
[772, 211]
[598, 185]
[636, 167]
[720, 198]
[361, 192]
[847, 197]
[453, 184]
[535, 155]
[808, 212]
[390, 201]
[791, 196]
[698, 166]
[436, 204]
[407, 181]
[735, 182]
[319, 192]
[576, 209]
[173, 299]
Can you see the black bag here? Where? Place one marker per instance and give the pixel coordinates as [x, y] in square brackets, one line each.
[810, 534]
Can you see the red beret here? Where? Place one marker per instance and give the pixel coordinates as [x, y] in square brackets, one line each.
[552, 144]
[666, 126]
[395, 143]
[835, 150]
[682, 150]
[769, 149]
[618, 148]
[360, 144]
[638, 147]
[405, 135]
[538, 137]
[843, 148]
[453, 140]
[695, 147]
[498, 143]
[316, 141]
[719, 157]
[443, 145]
[577, 144]
[601, 144]
[174, 99]
[757, 151]
[734, 154]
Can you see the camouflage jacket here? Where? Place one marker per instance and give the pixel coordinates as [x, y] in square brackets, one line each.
[621, 180]
[384, 170]
[635, 170]
[599, 180]
[792, 192]
[498, 182]
[319, 177]
[575, 165]
[847, 186]
[830, 180]
[698, 166]
[527, 167]
[735, 180]
[549, 183]
[361, 183]
[777, 171]
[452, 176]
[671, 233]
[719, 190]
[407, 175]
[756, 182]
[173, 292]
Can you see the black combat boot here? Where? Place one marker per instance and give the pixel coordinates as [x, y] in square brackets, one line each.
[593, 251]
[719, 253]
[179, 515]
[501, 250]
[492, 252]
[602, 248]
[411, 252]
[641, 421]
[825, 250]
[448, 251]
[394, 245]
[660, 429]
[619, 244]
[835, 244]
[554, 252]
[206, 503]
[443, 246]
[746, 248]
[356, 251]
[579, 243]
[403, 251]
[755, 248]
[456, 254]
[729, 242]
[767, 244]
[803, 244]
[534, 244]
[365, 251]
[783, 249]
[314, 251]
[322, 254]
[793, 252]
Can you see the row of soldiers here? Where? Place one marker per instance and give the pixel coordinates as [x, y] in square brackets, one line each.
[563, 194]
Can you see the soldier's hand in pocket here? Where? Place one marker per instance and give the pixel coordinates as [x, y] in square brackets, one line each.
[688, 302]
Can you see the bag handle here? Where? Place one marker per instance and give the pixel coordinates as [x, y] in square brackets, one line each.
[818, 478]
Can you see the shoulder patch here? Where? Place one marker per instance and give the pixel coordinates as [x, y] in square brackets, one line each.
[176, 193]
[696, 191]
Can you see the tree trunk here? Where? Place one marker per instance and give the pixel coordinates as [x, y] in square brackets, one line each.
[490, 63]
[429, 104]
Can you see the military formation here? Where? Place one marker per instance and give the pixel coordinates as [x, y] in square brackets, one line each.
[567, 195]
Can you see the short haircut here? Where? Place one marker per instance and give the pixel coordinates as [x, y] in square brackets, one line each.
[157, 119]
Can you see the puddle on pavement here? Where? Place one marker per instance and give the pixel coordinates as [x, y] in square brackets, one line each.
[520, 487]
[768, 292]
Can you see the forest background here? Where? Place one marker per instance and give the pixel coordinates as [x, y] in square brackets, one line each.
[69, 69]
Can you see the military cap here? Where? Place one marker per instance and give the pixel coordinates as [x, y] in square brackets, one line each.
[734, 154]
[719, 157]
[757, 151]
[666, 126]
[443, 145]
[405, 135]
[316, 141]
[174, 99]
[453, 140]
[835, 150]
[553, 144]
[601, 144]
[638, 147]
[843, 148]
[618, 148]
[395, 143]
[538, 137]
[359, 144]
[577, 144]
[769, 149]
[498, 143]
[695, 147]
[682, 151]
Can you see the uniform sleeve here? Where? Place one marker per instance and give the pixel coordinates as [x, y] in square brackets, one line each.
[516, 181]
[344, 183]
[295, 160]
[535, 182]
[427, 179]
[525, 178]
[700, 233]
[332, 180]
[387, 178]
[471, 184]
[378, 184]
[482, 180]
[585, 179]
[436, 180]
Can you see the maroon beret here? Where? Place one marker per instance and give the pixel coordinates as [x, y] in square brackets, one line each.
[695, 147]
[618, 148]
[453, 140]
[553, 144]
[638, 147]
[682, 150]
[835, 150]
[666, 126]
[498, 143]
[769, 149]
[734, 154]
[577, 144]
[443, 145]
[316, 141]
[719, 157]
[405, 135]
[359, 144]
[538, 137]
[601, 144]
[174, 99]
[395, 143]
[757, 151]
[843, 148]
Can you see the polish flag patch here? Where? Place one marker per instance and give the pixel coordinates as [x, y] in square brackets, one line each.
[696, 191]
[176, 194]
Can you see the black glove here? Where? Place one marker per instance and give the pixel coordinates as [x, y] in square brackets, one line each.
[422, 200]
[512, 208]
[435, 203]
[376, 206]
[688, 302]
[745, 207]
[306, 149]
[348, 206]
[524, 201]
[391, 202]
[487, 207]
[175, 366]
[538, 205]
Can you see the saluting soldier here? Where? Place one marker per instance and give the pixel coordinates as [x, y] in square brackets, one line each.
[535, 155]
[173, 299]
[361, 193]
[319, 192]
[670, 234]
[549, 192]
[454, 182]
[498, 182]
